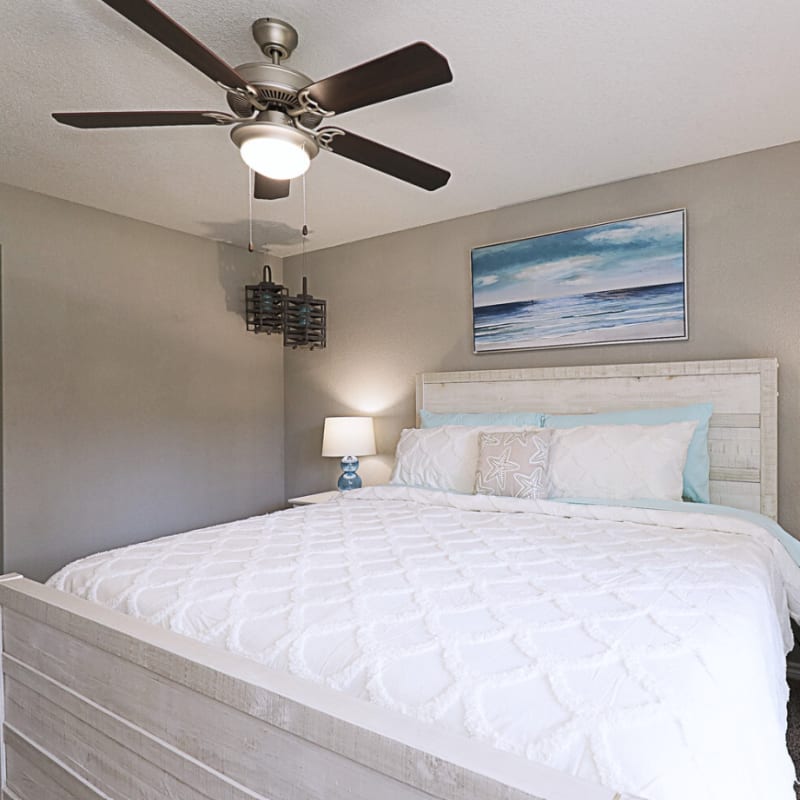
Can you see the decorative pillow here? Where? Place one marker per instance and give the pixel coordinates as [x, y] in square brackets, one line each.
[620, 462]
[513, 464]
[440, 458]
[695, 473]
[433, 419]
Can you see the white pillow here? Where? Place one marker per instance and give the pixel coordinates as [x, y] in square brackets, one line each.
[440, 458]
[620, 462]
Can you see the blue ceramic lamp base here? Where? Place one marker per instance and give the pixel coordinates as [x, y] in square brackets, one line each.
[349, 479]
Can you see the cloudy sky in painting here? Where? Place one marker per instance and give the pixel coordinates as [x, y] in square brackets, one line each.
[647, 251]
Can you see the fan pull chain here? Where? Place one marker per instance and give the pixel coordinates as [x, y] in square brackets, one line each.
[305, 225]
[251, 186]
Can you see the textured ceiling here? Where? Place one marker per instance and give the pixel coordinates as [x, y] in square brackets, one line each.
[547, 97]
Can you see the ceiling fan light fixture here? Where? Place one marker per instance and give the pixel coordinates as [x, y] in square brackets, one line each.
[274, 149]
[275, 158]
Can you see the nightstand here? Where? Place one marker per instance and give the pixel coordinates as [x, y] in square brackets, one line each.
[310, 499]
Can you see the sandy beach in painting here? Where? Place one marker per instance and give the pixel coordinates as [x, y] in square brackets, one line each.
[645, 312]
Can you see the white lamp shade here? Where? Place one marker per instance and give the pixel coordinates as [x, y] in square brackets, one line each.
[348, 436]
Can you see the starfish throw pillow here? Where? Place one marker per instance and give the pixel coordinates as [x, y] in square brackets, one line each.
[514, 464]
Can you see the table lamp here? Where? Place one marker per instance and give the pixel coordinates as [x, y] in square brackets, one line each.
[348, 438]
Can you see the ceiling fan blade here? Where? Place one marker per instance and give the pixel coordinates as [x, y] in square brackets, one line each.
[139, 119]
[384, 159]
[410, 69]
[164, 29]
[269, 188]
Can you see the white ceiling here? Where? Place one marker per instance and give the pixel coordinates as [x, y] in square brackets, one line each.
[547, 97]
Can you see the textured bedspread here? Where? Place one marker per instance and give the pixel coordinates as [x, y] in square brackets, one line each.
[641, 649]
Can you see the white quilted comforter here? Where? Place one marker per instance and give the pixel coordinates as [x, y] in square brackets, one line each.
[640, 649]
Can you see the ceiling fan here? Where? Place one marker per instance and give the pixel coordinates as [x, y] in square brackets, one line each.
[277, 110]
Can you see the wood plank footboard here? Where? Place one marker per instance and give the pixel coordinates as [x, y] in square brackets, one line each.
[101, 706]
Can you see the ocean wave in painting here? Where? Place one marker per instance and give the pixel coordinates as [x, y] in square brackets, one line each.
[642, 312]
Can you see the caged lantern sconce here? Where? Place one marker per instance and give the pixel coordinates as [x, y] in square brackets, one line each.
[304, 321]
[301, 319]
[269, 308]
[264, 305]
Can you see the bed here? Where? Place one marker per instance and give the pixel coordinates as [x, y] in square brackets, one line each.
[104, 704]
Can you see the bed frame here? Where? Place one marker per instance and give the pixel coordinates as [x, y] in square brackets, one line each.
[101, 706]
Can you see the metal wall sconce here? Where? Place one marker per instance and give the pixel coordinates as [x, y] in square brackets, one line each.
[270, 309]
[304, 321]
[264, 305]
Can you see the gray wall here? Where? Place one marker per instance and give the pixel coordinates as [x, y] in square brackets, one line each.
[400, 304]
[135, 402]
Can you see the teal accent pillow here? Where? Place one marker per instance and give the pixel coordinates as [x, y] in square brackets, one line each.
[695, 473]
[432, 419]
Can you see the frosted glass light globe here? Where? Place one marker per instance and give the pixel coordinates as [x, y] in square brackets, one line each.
[274, 157]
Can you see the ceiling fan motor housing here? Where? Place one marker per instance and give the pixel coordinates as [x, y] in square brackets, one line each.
[277, 87]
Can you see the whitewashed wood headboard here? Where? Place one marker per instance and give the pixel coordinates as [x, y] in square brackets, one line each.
[743, 433]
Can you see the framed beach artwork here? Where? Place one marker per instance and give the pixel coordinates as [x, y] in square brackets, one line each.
[615, 282]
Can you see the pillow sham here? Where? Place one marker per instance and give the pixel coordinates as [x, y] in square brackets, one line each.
[513, 464]
[445, 457]
[433, 419]
[696, 470]
[619, 462]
